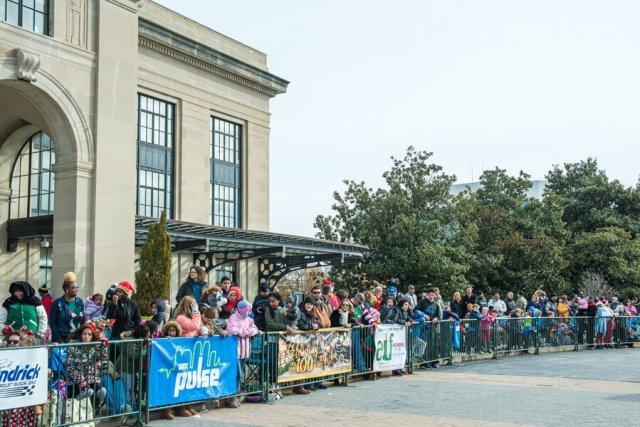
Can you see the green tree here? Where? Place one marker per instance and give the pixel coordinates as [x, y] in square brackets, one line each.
[153, 278]
[410, 226]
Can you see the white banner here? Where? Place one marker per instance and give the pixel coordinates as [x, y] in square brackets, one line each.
[23, 377]
[391, 347]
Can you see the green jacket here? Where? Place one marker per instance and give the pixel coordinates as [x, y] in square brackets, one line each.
[23, 315]
[275, 319]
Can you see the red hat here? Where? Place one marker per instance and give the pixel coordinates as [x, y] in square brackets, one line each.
[127, 287]
[327, 282]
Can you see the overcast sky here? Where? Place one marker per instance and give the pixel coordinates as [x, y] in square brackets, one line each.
[517, 84]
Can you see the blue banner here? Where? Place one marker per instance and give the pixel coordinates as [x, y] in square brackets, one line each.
[190, 369]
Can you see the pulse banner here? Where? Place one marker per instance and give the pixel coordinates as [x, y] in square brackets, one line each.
[186, 370]
[23, 377]
[391, 347]
[304, 355]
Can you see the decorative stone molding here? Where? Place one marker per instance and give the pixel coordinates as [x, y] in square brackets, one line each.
[77, 12]
[73, 169]
[180, 48]
[27, 65]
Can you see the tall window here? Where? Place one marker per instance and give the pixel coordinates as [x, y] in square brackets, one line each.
[155, 156]
[46, 265]
[225, 173]
[30, 14]
[32, 180]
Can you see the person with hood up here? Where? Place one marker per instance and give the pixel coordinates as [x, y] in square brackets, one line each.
[260, 304]
[46, 297]
[193, 285]
[67, 312]
[157, 311]
[126, 313]
[23, 308]
[241, 325]
[93, 308]
[234, 296]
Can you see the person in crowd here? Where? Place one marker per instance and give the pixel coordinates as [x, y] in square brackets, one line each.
[194, 285]
[241, 325]
[158, 311]
[583, 305]
[551, 307]
[498, 304]
[369, 299]
[343, 316]
[449, 314]
[23, 309]
[614, 303]
[486, 323]
[358, 304]
[275, 319]
[631, 308]
[172, 329]
[110, 303]
[67, 312]
[468, 298]
[234, 296]
[93, 307]
[259, 306]
[377, 297]
[535, 303]
[563, 309]
[189, 317]
[25, 416]
[211, 319]
[292, 313]
[510, 303]
[521, 302]
[482, 300]
[126, 313]
[602, 319]
[430, 307]
[128, 360]
[411, 296]
[457, 306]
[308, 320]
[439, 299]
[225, 285]
[46, 297]
[323, 309]
[328, 288]
[392, 291]
[214, 297]
[86, 364]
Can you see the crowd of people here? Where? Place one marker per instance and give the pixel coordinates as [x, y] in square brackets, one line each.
[201, 309]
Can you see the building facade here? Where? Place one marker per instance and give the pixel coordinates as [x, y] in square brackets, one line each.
[115, 110]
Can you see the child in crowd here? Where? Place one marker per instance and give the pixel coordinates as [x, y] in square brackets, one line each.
[211, 319]
[85, 364]
[189, 318]
[214, 297]
[93, 308]
[172, 329]
[241, 325]
[293, 313]
[233, 297]
[158, 308]
[486, 324]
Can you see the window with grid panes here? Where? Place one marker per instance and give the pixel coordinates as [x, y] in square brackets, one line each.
[32, 180]
[155, 156]
[30, 14]
[226, 158]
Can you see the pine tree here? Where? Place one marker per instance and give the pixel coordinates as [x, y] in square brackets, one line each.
[153, 278]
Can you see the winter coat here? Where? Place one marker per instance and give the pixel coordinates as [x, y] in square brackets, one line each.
[292, 315]
[336, 317]
[86, 363]
[47, 302]
[431, 309]
[28, 312]
[511, 304]
[92, 310]
[216, 300]
[307, 320]
[468, 299]
[392, 316]
[258, 308]
[62, 321]
[189, 288]
[190, 327]
[159, 317]
[126, 315]
[230, 306]
[275, 319]
[458, 308]
[244, 328]
[486, 322]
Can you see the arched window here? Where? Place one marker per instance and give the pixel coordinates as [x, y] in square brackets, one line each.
[32, 184]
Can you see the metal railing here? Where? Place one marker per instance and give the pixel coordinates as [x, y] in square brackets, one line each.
[117, 374]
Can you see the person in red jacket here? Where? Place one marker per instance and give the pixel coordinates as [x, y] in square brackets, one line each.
[45, 297]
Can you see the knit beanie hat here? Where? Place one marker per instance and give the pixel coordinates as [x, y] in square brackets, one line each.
[127, 288]
[392, 290]
[309, 300]
[243, 308]
[111, 291]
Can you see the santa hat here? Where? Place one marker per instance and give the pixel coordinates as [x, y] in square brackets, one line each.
[127, 288]
[327, 282]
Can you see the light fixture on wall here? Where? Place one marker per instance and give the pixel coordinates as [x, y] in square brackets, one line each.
[45, 243]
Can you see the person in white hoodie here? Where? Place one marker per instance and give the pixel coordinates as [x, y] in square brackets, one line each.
[411, 297]
[498, 304]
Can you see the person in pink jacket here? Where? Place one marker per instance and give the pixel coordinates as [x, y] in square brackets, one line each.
[241, 325]
[188, 316]
[486, 323]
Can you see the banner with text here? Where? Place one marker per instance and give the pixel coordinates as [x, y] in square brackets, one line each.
[304, 355]
[23, 377]
[391, 347]
[191, 369]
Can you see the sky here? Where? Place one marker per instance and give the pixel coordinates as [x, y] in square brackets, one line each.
[523, 85]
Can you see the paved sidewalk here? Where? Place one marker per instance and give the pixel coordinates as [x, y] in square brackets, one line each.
[587, 387]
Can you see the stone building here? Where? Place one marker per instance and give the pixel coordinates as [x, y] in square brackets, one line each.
[114, 110]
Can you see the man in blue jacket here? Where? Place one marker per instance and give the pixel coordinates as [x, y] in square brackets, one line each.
[67, 312]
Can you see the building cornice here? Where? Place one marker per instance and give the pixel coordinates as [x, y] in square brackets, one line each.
[183, 49]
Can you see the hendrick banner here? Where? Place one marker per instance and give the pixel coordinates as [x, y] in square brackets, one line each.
[191, 369]
[304, 355]
[23, 377]
[391, 347]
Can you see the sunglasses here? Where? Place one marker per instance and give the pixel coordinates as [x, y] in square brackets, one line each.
[317, 292]
[13, 342]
